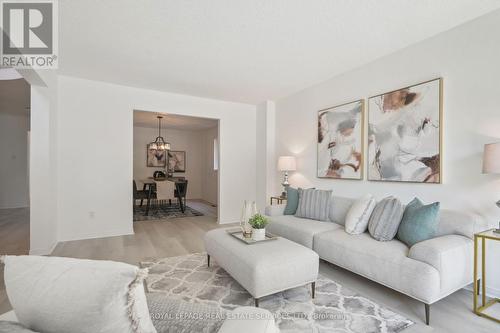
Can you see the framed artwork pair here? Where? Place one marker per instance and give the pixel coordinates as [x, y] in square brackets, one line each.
[174, 160]
[403, 136]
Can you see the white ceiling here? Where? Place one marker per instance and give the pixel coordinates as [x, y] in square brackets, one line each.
[14, 97]
[148, 119]
[243, 50]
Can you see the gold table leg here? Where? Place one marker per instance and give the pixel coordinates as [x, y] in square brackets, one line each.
[475, 275]
[483, 269]
[479, 310]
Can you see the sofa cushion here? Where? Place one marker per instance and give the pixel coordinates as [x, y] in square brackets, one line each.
[452, 222]
[314, 204]
[299, 230]
[357, 218]
[385, 219]
[51, 294]
[292, 201]
[384, 262]
[419, 223]
[339, 207]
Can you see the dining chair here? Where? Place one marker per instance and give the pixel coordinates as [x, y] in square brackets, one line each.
[180, 193]
[165, 190]
[144, 194]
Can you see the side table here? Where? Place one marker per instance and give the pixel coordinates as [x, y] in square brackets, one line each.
[479, 310]
[278, 199]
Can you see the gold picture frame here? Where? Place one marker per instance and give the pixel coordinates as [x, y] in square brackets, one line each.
[409, 165]
[341, 156]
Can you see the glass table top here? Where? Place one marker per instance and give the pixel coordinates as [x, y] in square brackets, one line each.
[491, 234]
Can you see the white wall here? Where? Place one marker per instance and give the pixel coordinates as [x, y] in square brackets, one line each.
[95, 153]
[467, 59]
[209, 177]
[14, 190]
[266, 163]
[192, 142]
[43, 164]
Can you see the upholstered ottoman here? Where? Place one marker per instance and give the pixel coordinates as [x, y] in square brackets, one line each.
[263, 268]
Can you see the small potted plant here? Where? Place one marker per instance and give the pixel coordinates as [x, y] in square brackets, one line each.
[258, 223]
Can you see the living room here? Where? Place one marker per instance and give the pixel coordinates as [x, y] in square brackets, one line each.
[361, 136]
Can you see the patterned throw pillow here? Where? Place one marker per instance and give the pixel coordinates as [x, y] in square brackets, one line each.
[385, 219]
[359, 214]
[419, 222]
[314, 204]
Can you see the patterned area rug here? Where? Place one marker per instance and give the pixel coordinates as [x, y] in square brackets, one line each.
[335, 308]
[163, 212]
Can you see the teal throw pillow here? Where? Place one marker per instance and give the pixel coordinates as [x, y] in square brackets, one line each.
[419, 222]
[292, 201]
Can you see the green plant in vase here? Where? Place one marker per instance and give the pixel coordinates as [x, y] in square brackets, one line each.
[258, 223]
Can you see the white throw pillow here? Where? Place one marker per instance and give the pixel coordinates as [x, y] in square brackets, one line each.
[357, 218]
[54, 295]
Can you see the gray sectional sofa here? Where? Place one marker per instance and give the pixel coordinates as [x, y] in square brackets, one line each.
[428, 271]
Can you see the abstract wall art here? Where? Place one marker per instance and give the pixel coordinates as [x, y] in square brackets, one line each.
[340, 141]
[156, 158]
[404, 134]
[177, 161]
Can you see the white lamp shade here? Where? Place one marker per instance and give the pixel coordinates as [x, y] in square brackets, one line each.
[491, 158]
[287, 163]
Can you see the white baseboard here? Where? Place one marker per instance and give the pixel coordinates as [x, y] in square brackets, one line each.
[43, 251]
[227, 222]
[490, 292]
[100, 234]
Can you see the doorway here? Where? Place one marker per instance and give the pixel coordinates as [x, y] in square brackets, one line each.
[15, 96]
[176, 167]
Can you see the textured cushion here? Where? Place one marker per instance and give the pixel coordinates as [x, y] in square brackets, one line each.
[266, 268]
[452, 222]
[451, 255]
[385, 219]
[339, 207]
[314, 204]
[359, 215]
[384, 262]
[299, 230]
[51, 294]
[292, 201]
[12, 327]
[419, 223]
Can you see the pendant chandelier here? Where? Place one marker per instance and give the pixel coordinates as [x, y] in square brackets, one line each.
[159, 143]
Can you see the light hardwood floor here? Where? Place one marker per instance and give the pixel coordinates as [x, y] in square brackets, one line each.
[157, 239]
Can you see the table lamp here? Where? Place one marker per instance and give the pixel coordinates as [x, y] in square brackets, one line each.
[286, 164]
[491, 164]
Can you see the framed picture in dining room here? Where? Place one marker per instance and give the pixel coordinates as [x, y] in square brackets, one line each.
[176, 161]
[405, 134]
[340, 141]
[155, 157]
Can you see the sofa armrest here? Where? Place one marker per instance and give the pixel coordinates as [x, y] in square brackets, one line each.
[249, 320]
[453, 222]
[275, 210]
[452, 256]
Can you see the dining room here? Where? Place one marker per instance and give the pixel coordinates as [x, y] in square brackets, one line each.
[175, 167]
